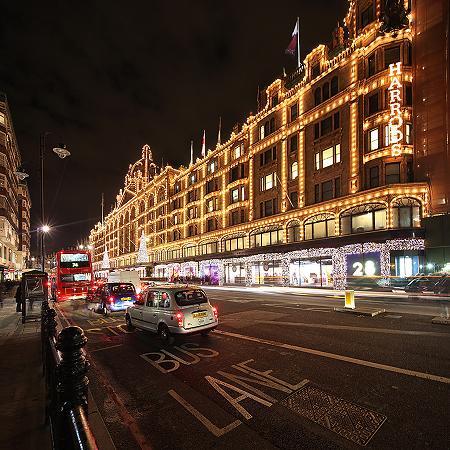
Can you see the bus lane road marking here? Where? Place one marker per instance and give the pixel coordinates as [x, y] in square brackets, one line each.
[348, 359]
[238, 382]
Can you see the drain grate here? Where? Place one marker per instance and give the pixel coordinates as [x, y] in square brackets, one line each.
[344, 418]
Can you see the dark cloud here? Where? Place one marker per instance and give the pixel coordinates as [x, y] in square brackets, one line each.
[107, 77]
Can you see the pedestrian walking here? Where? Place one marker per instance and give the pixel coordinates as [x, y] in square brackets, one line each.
[19, 298]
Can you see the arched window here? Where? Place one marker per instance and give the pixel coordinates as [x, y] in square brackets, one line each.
[151, 201]
[320, 226]
[317, 96]
[293, 231]
[363, 218]
[141, 207]
[326, 91]
[334, 86]
[406, 213]
[233, 242]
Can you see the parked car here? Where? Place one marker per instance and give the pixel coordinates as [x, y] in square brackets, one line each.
[170, 309]
[116, 297]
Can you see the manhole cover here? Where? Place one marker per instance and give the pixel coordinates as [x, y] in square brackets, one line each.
[347, 419]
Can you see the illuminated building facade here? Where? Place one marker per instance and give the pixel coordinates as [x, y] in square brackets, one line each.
[319, 185]
[15, 201]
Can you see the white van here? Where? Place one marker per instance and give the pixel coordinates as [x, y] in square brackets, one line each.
[126, 276]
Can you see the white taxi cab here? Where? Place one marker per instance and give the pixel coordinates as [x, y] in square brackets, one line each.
[170, 309]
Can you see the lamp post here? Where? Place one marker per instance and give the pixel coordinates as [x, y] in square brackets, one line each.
[62, 153]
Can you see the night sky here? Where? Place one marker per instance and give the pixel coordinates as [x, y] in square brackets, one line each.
[107, 77]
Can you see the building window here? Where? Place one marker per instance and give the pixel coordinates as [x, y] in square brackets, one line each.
[267, 128]
[208, 248]
[237, 194]
[236, 243]
[315, 71]
[268, 208]
[190, 250]
[274, 100]
[406, 213]
[363, 218]
[337, 187]
[192, 212]
[374, 143]
[336, 120]
[408, 95]
[293, 232]
[373, 104]
[317, 96]
[211, 224]
[316, 131]
[212, 166]
[327, 190]
[192, 230]
[237, 151]
[327, 157]
[268, 156]
[212, 186]
[334, 86]
[237, 216]
[293, 143]
[237, 172]
[325, 91]
[266, 238]
[392, 173]
[367, 16]
[371, 66]
[374, 177]
[317, 227]
[391, 56]
[293, 197]
[269, 181]
[408, 133]
[192, 178]
[294, 170]
[316, 193]
[294, 111]
[326, 126]
[211, 205]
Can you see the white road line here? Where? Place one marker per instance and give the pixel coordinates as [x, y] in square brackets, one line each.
[342, 327]
[359, 362]
[105, 348]
[201, 418]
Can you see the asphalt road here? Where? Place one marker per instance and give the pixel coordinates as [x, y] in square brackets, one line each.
[283, 370]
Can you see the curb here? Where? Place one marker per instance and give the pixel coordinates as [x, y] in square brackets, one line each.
[361, 311]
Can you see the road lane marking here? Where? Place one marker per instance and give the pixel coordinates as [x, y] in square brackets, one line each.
[214, 429]
[344, 327]
[348, 359]
[105, 348]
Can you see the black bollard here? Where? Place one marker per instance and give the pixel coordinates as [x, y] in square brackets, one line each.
[72, 382]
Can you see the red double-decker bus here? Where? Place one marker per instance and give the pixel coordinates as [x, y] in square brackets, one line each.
[73, 275]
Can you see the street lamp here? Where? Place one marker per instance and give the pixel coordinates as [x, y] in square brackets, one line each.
[62, 153]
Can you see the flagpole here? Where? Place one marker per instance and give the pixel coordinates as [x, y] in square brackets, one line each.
[298, 42]
[220, 127]
[192, 153]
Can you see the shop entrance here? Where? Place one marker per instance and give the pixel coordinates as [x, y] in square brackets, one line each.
[267, 272]
[312, 272]
[235, 273]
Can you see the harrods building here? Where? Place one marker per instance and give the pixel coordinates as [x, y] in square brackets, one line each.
[342, 171]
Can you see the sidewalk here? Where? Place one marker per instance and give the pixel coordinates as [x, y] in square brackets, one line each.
[22, 390]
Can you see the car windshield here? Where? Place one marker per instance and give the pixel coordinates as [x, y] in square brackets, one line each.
[122, 289]
[190, 297]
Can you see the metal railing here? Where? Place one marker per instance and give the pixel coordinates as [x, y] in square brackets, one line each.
[65, 370]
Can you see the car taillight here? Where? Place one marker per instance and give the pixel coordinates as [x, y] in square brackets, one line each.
[111, 299]
[138, 296]
[215, 312]
[179, 317]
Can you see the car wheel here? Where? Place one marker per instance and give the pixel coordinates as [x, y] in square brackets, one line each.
[105, 310]
[128, 322]
[164, 334]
